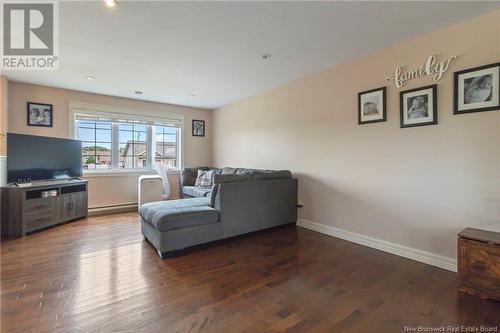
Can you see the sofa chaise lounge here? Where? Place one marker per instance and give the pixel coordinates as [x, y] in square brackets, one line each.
[239, 202]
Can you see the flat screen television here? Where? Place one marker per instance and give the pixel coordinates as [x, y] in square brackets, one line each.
[42, 158]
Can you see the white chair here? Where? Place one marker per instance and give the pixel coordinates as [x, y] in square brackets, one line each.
[154, 187]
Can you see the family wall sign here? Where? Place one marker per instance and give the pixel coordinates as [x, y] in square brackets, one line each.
[430, 68]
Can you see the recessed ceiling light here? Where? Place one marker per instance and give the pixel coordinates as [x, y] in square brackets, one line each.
[111, 3]
[192, 95]
[90, 78]
[138, 92]
[266, 56]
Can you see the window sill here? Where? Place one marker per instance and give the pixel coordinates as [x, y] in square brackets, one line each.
[125, 173]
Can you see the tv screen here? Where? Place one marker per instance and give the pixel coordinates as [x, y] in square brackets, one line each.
[42, 158]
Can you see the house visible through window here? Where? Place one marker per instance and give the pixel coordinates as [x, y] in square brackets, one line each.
[96, 143]
[166, 146]
[133, 146]
[109, 143]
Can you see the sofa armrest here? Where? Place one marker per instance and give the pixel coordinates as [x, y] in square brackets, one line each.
[249, 206]
[188, 176]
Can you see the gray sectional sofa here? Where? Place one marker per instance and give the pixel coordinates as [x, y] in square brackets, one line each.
[239, 202]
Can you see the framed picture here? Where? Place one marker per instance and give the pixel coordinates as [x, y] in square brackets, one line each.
[40, 114]
[372, 106]
[418, 107]
[198, 127]
[477, 89]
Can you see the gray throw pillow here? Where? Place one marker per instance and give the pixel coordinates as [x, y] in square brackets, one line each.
[204, 179]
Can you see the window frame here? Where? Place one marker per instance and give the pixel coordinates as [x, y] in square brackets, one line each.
[161, 117]
[153, 150]
[94, 142]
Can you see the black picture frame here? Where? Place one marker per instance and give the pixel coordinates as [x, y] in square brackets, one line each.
[402, 100]
[384, 106]
[456, 81]
[198, 127]
[31, 121]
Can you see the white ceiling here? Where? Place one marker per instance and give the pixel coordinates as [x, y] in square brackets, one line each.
[170, 50]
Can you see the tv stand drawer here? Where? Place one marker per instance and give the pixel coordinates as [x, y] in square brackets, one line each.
[39, 222]
[35, 206]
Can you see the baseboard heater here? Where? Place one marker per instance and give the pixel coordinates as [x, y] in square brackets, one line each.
[112, 209]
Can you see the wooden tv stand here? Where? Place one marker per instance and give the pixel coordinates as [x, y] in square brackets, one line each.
[24, 211]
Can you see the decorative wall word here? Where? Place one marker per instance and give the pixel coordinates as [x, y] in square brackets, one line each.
[431, 67]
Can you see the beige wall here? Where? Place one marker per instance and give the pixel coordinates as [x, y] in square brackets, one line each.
[413, 186]
[4, 84]
[109, 190]
[4, 116]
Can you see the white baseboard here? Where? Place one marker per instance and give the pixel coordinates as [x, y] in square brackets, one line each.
[397, 249]
[112, 209]
[129, 207]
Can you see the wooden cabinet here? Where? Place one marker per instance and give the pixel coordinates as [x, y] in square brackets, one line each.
[72, 206]
[479, 263]
[25, 210]
[38, 214]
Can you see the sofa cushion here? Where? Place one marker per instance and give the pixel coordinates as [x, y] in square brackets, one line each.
[188, 190]
[196, 192]
[244, 171]
[217, 171]
[200, 192]
[228, 171]
[178, 214]
[257, 173]
[237, 171]
[147, 210]
[188, 175]
[271, 174]
[228, 178]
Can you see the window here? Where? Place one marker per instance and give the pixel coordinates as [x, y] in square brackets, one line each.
[166, 146]
[96, 143]
[133, 146]
[120, 142]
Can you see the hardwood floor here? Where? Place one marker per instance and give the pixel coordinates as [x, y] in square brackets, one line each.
[98, 275]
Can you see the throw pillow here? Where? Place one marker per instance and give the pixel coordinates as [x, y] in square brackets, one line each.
[205, 178]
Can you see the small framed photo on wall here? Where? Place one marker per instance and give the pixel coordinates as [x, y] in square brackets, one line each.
[40, 114]
[418, 107]
[372, 106]
[477, 89]
[198, 127]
